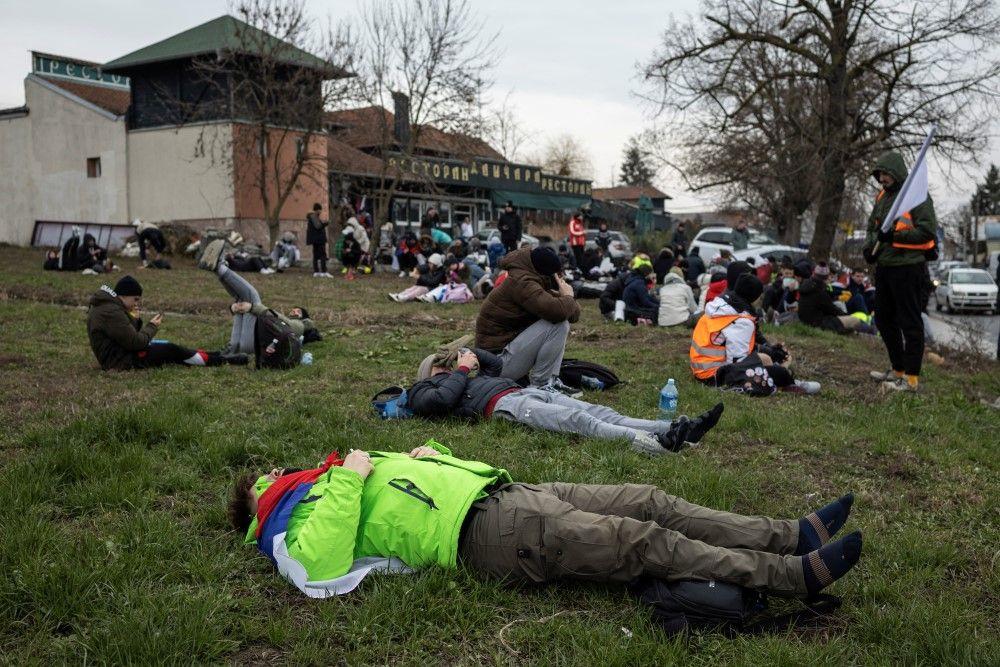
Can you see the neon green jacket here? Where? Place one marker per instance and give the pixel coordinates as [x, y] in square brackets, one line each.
[407, 514]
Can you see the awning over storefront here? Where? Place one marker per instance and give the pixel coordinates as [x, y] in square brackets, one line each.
[537, 201]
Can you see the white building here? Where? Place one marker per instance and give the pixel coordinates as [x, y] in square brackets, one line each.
[63, 157]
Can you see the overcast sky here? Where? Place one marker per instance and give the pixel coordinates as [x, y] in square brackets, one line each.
[571, 64]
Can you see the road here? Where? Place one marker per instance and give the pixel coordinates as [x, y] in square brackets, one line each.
[965, 331]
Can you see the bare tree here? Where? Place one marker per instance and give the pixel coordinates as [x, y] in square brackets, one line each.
[503, 130]
[274, 83]
[434, 55]
[564, 155]
[883, 74]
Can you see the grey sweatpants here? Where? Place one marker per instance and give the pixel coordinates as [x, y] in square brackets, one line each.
[536, 352]
[244, 324]
[552, 411]
[545, 532]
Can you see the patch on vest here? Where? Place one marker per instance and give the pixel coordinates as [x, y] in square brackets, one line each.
[718, 338]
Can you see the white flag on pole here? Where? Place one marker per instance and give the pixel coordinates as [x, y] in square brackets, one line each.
[914, 190]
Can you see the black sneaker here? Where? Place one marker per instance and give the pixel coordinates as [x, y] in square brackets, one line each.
[704, 423]
[676, 438]
[237, 359]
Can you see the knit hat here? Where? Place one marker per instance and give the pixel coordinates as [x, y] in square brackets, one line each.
[436, 259]
[735, 270]
[545, 261]
[128, 286]
[803, 269]
[749, 287]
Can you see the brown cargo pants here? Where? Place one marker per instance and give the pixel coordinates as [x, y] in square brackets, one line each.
[544, 532]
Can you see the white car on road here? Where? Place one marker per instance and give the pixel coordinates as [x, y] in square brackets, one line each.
[966, 289]
[761, 254]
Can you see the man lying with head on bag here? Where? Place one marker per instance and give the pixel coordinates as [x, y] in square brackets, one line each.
[326, 528]
[468, 384]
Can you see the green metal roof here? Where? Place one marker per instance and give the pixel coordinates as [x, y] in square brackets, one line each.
[225, 33]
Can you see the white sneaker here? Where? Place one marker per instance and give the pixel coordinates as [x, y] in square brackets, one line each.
[394, 297]
[327, 274]
[646, 443]
[266, 271]
[402, 274]
[89, 272]
[317, 274]
[808, 386]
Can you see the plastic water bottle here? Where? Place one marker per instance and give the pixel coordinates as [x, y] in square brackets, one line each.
[307, 358]
[668, 401]
[590, 382]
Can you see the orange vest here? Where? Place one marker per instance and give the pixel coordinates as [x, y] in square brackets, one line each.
[706, 355]
[905, 224]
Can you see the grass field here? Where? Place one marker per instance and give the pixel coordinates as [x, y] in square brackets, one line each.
[115, 546]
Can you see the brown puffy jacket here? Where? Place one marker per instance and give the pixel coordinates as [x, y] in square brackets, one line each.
[522, 299]
[114, 335]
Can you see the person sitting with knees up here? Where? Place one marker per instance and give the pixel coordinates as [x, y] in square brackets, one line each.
[817, 309]
[328, 527]
[429, 276]
[449, 386]
[247, 306]
[640, 306]
[724, 346]
[121, 341]
[525, 319]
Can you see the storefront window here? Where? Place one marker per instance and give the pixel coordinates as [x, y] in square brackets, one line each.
[445, 210]
[416, 211]
[399, 211]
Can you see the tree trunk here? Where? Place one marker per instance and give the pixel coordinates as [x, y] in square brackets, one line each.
[273, 232]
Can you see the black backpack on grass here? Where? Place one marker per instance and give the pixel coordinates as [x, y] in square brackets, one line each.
[679, 606]
[273, 334]
[572, 371]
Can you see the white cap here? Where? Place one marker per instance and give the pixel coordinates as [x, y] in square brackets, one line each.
[436, 259]
[137, 222]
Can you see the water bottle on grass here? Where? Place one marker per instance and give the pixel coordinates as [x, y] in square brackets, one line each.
[668, 401]
[592, 383]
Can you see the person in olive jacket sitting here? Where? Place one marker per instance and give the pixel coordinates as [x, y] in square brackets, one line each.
[121, 341]
[525, 320]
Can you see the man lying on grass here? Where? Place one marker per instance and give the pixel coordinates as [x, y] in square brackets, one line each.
[446, 387]
[121, 342]
[326, 528]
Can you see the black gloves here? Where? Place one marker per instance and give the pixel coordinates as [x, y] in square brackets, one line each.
[869, 256]
[778, 353]
[885, 237]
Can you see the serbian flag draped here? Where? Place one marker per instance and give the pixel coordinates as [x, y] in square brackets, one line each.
[275, 505]
[914, 191]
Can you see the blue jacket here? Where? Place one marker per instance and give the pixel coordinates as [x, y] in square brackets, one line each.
[636, 296]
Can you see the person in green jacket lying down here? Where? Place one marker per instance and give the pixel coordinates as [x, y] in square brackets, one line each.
[326, 528]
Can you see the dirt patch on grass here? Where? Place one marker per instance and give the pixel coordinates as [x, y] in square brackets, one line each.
[8, 360]
[256, 654]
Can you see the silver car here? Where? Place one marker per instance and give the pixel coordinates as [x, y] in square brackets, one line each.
[966, 289]
[620, 248]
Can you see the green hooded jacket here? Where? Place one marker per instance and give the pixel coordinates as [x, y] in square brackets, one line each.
[924, 221]
[411, 509]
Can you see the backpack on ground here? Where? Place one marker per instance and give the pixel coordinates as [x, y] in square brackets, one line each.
[390, 403]
[275, 344]
[573, 371]
[457, 293]
[679, 606]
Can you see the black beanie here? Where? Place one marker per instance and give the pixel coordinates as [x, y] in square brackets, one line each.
[803, 269]
[545, 261]
[748, 287]
[128, 286]
[735, 270]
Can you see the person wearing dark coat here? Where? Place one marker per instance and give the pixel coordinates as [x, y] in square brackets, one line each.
[662, 265]
[510, 227]
[316, 237]
[121, 341]
[613, 292]
[696, 266]
[816, 307]
[639, 303]
[679, 240]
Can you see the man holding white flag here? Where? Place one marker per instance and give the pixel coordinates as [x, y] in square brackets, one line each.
[900, 245]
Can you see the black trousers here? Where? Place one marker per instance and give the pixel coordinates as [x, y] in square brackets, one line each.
[319, 257]
[153, 237]
[159, 354]
[899, 300]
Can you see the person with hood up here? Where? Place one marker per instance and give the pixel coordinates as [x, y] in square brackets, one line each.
[640, 306]
[525, 319]
[663, 263]
[92, 258]
[719, 285]
[677, 303]
[724, 346]
[900, 259]
[816, 306]
[286, 253]
[121, 341]
[325, 529]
